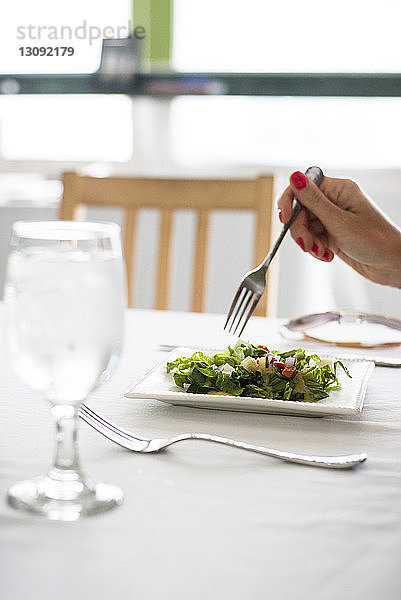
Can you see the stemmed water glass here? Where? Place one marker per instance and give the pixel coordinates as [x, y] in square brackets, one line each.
[64, 302]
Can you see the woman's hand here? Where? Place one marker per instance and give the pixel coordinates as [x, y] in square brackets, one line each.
[339, 219]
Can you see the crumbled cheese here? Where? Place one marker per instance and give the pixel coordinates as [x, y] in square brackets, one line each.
[226, 368]
[249, 364]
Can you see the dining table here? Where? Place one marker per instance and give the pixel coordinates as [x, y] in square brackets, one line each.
[202, 521]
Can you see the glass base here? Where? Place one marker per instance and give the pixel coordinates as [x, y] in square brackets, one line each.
[63, 500]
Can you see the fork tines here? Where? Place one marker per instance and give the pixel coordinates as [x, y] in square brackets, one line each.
[241, 309]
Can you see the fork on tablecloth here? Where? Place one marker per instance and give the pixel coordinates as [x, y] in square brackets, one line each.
[136, 443]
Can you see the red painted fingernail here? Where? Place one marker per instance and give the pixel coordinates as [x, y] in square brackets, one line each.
[326, 255]
[315, 249]
[280, 215]
[300, 243]
[299, 180]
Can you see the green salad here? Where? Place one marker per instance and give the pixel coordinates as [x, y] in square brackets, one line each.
[248, 370]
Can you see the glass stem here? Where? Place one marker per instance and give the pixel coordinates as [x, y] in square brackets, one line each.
[66, 461]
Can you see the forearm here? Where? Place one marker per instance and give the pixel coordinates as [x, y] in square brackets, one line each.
[394, 259]
[380, 254]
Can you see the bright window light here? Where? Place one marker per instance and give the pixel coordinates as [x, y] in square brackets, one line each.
[46, 23]
[287, 35]
[270, 131]
[66, 127]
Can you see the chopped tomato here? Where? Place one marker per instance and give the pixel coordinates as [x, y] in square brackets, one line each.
[265, 348]
[279, 365]
[288, 371]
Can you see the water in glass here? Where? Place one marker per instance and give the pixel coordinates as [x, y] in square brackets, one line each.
[64, 299]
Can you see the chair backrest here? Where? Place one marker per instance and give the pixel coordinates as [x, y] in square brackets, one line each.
[168, 195]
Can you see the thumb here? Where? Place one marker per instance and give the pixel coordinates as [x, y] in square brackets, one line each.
[310, 196]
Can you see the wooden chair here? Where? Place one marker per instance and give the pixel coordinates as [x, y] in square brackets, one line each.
[168, 195]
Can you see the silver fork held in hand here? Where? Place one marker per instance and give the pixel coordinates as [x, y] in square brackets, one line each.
[253, 283]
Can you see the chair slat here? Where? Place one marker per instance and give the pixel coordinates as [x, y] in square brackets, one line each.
[164, 264]
[129, 251]
[71, 208]
[264, 191]
[200, 263]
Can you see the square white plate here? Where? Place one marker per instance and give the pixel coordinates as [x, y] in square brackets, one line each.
[157, 384]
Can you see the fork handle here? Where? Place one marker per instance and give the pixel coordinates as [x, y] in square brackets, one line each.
[330, 462]
[297, 207]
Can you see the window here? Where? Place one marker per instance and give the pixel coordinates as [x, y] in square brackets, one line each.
[66, 128]
[62, 127]
[333, 132]
[266, 36]
[330, 36]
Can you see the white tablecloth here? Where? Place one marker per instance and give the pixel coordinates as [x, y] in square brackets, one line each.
[202, 521]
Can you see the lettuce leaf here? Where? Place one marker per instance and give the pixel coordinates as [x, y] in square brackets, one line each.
[201, 373]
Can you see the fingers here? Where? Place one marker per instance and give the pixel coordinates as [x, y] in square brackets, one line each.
[327, 255]
[310, 196]
[317, 246]
[301, 232]
[313, 198]
[309, 231]
[285, 205]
